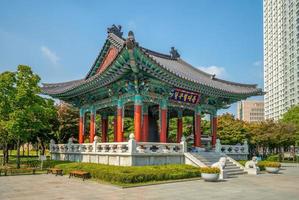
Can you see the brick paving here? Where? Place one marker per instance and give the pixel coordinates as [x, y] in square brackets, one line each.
[43, 187]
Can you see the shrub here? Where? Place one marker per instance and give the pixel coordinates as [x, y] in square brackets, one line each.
[242, 162]
[273, 158]
[263, 164]
[135, 174]
[210, 170]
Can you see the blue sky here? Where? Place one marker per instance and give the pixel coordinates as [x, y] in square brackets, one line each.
[61, 39]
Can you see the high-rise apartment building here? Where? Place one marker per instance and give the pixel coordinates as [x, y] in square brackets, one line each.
[281, 56]
[250, 111]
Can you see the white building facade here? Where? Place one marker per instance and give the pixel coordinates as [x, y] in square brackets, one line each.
[281, 56]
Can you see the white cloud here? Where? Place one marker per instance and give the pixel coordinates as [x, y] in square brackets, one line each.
[258, 63]
[131, 25]
[218, 71]
[50, 55]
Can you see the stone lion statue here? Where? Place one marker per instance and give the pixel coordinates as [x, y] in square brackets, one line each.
[251, 166]
[221, 165]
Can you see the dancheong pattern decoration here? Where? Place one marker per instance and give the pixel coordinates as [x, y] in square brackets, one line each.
[123, 60]
[128, 80]
[186, 96]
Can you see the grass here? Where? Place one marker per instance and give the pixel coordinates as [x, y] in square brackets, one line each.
[126, 176]
[31, 153]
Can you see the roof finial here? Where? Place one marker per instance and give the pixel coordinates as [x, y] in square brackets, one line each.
[116, 30]
[131, 35]
[174, 53]
[130, 40]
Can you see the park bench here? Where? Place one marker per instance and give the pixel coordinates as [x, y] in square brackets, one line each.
[80, 174]
[4, 170]
[289, 156]
[14, 171]
[55, 171]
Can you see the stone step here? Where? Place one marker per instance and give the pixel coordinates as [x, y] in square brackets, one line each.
[233, 170]
[231, 167]
[236, 173]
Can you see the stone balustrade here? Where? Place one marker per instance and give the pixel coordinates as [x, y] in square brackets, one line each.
[121, 153]
[238, 151]
[130, 147]
[152, 147]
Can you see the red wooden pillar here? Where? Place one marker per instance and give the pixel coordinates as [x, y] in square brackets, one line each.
[81, 127]
[137, 118]
[214, 129]
[163, 122]
[145, 124]
[179, 127]
[104, 120]
[115, 128]
[120, 135]
[197, 135]
[92, 126]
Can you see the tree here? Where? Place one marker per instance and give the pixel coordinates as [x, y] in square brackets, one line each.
[231, 130]
[29, 115]
[68, 121]
[292, 117]
[7, 95]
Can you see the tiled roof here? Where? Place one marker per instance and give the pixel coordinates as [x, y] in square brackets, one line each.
[56, 88]
[181, 68]
[176, 65]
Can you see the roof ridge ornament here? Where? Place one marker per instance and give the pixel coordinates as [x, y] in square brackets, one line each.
[174, 54]
[116, 30]
[130, 42]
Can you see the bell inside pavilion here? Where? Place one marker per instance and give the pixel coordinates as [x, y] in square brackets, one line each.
[129, 80]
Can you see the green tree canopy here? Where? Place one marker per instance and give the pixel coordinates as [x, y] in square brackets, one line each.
[231, 130]
[26, 115]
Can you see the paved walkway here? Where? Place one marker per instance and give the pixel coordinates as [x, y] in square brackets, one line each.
[265, 187]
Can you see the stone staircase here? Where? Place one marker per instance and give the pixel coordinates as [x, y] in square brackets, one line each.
[208, 158]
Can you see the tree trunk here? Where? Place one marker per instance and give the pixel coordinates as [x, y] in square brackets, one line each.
[18, 153]
[23, 149]
[6, 154]
[36, 148]
[28, 144]
[43, 147]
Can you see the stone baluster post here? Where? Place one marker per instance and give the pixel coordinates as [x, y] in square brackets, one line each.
[218, 146]
[52, 149]
[95, 141]
[69, 145]
[184, 144]
[132, 144]
[246, 147]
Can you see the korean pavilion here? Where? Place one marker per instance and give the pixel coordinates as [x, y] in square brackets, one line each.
[130, 80]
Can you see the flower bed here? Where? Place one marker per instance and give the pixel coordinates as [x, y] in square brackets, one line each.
[131, 175]
[263, 164]
[210, 170]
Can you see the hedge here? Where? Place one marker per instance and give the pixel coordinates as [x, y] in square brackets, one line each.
[135, 174]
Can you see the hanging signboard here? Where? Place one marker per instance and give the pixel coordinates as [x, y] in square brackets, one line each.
[186, 96]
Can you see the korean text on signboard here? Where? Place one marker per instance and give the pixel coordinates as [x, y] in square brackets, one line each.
[184, 96]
